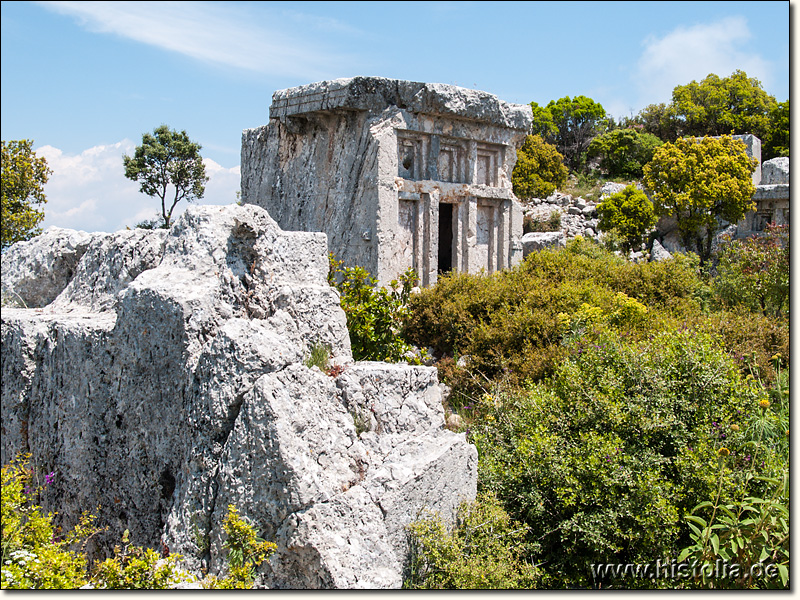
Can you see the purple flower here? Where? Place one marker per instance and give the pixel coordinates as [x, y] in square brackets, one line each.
[48, 479]
[27, 489]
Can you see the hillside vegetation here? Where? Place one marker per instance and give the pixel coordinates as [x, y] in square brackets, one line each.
[623, 413]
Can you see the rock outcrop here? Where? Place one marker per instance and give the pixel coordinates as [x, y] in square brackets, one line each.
[160, 375]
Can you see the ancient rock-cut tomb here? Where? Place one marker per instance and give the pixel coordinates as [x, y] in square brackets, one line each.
[398, 174]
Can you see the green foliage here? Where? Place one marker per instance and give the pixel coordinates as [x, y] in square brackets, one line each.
[776, 140]
[507, 323]
[137, 568]
[623, 152]
[374, 314]
[698, 182]
[539, 170]
[34, 555]
[659, 120]
[24, 176]
[167, 158]
[630, 213]
[723, 105]
[577, 121]
[754, 272]
[38, 555]
[319, 357]
[553, 223]
[246, 551]
[602, 461]
[485, 550]
[542, 124]
[752, 528]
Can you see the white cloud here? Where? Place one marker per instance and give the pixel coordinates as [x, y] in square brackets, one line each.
[691, 53]
[89, 191]
[213, 32]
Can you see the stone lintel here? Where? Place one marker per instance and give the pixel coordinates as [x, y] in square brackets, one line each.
[776, 191]
[374, 94]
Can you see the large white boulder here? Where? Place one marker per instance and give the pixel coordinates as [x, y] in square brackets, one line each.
[161, 377]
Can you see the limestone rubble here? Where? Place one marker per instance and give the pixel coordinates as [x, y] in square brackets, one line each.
[160, 375]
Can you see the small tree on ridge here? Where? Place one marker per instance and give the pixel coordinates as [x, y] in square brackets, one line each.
[167, 158]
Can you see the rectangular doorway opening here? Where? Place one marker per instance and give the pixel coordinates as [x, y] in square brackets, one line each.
[445, 263]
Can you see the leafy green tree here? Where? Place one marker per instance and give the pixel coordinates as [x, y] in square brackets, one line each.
[699, 181]
[539, 170]
[577, 120]
[776, 141]
[628, 212]
[723, 105]
[542, 123]
[167, 158]
[659, 120]
[24, 176]
[623, 152]
[754, 272]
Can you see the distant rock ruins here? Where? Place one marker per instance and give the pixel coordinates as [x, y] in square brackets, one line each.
[398, 174]
[161, 375]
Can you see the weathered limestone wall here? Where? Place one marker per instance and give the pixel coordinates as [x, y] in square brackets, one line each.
[398, 174]
[160, 375]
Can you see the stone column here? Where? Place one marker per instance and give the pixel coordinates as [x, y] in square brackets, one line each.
[430, 244]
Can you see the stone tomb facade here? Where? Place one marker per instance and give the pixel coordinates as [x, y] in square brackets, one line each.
[399, 174]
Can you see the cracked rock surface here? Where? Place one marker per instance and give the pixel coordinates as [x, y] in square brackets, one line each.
[160, 375]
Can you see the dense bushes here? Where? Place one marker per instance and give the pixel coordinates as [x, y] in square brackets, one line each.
[603, 460]
[508, 323]
[754, 273]
[373, 313]
[623, 412]
[485, 549]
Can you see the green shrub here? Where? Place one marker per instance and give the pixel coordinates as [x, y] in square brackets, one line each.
[603, 460]
[246, 551]
[752, 528]
[630, 213]
[374, 314]
[507, 323]
[539, 170]
[137, 568]
[754, 273]
[623, 152]
[485, 550]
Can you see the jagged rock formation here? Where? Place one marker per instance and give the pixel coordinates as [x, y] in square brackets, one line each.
[160, 375]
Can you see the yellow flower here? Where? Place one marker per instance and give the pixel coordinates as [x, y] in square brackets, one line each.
[734, 427]
[764, 403]
[723, 451]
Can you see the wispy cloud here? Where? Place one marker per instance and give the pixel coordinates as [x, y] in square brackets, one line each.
[89, 191]
[691, 53]
[285, 44]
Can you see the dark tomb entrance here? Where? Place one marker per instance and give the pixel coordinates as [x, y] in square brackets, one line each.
[445, 238]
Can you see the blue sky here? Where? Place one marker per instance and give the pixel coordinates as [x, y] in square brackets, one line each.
[85, 80]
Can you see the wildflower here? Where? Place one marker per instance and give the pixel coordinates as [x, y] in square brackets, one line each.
[734, 427]
[764, 403]
[48, 479]
[723, 451]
